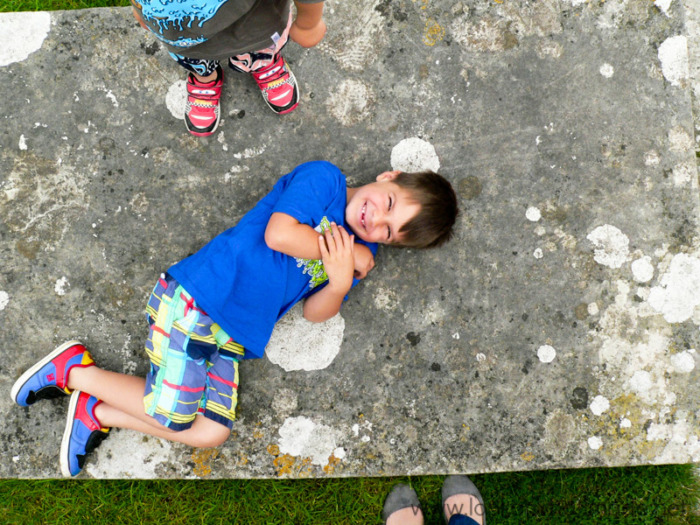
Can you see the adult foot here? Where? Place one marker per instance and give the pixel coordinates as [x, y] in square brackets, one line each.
[462, 502]
[402, 507]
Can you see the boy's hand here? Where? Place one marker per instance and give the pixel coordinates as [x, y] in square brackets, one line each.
[364, 261]
[337, 249]
[307, 37]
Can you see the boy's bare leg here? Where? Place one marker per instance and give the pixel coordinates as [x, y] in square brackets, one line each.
[122, 407]
[203, 433]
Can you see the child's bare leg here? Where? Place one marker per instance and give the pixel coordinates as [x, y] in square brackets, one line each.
[203, 432]
[122, 406]
[121, 391]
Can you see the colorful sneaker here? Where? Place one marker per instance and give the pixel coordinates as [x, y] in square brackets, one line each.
[83, 433]
[49, 377]
[278, 86]
[202, 111]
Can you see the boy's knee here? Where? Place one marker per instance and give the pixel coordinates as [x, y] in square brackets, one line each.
[207, 434]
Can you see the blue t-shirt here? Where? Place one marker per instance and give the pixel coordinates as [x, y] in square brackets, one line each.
[245, 286]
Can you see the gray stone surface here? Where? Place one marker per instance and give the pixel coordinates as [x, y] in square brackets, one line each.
[560, 327]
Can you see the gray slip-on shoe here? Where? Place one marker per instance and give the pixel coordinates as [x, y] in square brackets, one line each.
[400, 497]
[463, 485]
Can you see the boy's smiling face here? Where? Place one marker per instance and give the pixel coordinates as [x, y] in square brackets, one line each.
[377, 211]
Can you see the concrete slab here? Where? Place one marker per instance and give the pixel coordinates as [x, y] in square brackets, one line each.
[558, 330]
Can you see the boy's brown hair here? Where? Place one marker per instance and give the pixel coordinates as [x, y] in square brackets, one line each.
[438, 209]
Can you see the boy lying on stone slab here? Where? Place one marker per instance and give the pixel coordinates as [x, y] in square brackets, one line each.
[221, 304]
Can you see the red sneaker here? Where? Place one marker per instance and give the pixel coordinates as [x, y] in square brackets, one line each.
[202, 112]
[278, 86]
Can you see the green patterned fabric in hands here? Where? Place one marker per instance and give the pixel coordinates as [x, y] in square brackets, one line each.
[314, 267]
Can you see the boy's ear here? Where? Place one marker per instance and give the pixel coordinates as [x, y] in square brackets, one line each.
[387, 175]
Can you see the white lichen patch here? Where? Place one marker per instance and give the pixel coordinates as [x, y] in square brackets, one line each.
[250, 153]
[127, 454]
[611, 246]
[61, 286]
[640, 366]
[683, 362]
[297, 344]
[549, 49]
[112, 97]
[301, 437]
[679, 291]
[679, 140]
[642, 269]
[681, 442]
[673, 55]
[385, 298]
[487, 34]
[4, 299]
[533, 214]
[592, 309]
[641, 382]
[684, 174]
[414, 154]
[22, 143]
[594, 442]
[538, 254]
[350, 102]
[599, 405]
[651, 158]
[21, 34]
[607, 70]
[546, 353]
[176, 99]
[663, 5]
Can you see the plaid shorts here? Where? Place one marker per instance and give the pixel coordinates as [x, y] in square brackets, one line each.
[194, 363]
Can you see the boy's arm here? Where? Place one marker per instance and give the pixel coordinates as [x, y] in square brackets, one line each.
[287, 235]
[308, 28]
[336, 247]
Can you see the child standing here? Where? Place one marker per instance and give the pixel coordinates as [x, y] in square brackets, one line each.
[248, 33]
[221, 304]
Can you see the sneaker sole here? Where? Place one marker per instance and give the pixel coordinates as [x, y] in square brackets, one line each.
[65, 442]
[198, 134]
[37, 366]
[287, 110]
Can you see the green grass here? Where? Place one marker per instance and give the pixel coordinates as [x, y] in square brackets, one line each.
[7, 6]
[666, 495]
[637, 495]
